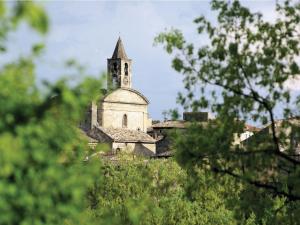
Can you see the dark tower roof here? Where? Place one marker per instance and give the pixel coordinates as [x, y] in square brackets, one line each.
[119, 52]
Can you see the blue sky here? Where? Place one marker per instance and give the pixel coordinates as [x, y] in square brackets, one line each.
[88, 31]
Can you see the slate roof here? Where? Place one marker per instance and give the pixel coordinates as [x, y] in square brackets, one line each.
[126, 135]
[119, 52]
[87, 136]
[170, 124]
[181, 124]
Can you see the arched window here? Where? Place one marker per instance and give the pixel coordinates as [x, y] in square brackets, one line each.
[124, 121]
[126, 69]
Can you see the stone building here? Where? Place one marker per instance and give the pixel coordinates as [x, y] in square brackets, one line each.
[120, 139]
[161, 131]
[121, 117]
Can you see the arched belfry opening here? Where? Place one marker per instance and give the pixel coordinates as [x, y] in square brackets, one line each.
[126, 69]
[125, 121]
[115, 67]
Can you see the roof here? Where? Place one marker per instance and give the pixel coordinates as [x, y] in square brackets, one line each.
[119, 52]
[251, 128]
[126, 89]
[170, 124]
[164, 154]
[126, 135]
[86, 136]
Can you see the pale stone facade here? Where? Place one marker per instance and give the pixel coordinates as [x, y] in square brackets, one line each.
[122, 104]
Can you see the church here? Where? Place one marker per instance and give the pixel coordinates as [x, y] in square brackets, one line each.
[120, 118]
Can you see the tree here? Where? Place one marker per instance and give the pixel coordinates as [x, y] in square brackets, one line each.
[158, 192]
[247, 62]
[43, 179]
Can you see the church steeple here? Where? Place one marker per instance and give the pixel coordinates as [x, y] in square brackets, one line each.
[119, 52]
[119, 68]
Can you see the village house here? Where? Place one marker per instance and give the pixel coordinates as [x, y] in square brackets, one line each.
[287, 131]
[161, 131]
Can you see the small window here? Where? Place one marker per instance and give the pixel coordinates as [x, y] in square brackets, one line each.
[124, 121]
[126, 69]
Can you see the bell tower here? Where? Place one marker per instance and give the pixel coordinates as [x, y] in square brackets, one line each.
[119, 68]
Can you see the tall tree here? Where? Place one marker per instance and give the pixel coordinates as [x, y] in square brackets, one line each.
[42, 177]
[247, 61]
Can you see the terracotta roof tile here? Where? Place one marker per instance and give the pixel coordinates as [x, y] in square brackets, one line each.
[126, 135]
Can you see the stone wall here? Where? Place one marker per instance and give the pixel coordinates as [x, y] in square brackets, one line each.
[124, 102]
[146, 149]
[111, 115]
[90, 117]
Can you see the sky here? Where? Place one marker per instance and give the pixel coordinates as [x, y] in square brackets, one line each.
[88, 32]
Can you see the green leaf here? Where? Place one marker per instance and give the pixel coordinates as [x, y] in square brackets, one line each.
[2, 8]
[2, 48]
[294, 68]
[34, 14]
[38, 48]
[177, 64]
[233, 49]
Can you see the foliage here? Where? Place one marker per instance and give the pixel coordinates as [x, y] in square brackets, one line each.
[42, 177]
[241, 74]
[154, 192]
[21, 11]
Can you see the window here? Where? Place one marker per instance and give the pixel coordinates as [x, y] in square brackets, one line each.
[124, 122]
[126, 69]
[115, 80]
[115, 67]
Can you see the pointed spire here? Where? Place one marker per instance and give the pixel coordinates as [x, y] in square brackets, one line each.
[119, 52]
